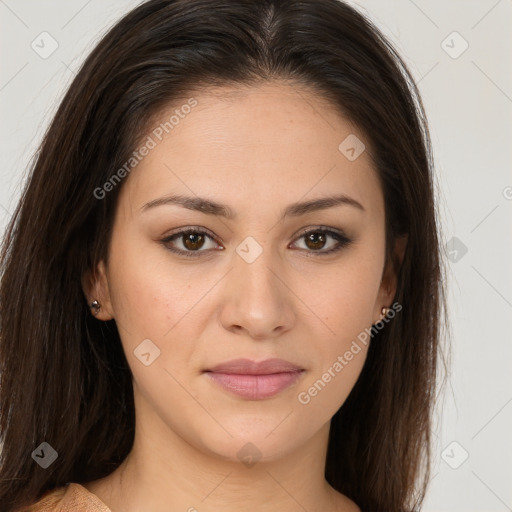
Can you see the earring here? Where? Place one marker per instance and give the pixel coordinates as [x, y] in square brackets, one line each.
[384, 312]
[96, 305]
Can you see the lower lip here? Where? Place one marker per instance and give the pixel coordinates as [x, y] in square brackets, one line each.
[255, 387]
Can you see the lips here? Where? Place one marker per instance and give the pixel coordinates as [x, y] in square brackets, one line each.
[248, 367]
[255, 380]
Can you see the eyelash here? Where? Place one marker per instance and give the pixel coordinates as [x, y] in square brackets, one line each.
[343, 241]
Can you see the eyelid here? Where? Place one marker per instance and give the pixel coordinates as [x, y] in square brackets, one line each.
[328, 229]
[195, 229]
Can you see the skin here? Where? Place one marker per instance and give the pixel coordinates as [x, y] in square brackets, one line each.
[256, 150]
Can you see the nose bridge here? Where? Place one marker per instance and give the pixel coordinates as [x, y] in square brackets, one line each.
[257, 299]
[255, 268]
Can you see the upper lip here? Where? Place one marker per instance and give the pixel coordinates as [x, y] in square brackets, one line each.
[249, 367]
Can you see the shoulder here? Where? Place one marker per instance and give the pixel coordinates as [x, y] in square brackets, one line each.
[71, 497]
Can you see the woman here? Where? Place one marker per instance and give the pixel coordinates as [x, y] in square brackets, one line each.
[222, 284]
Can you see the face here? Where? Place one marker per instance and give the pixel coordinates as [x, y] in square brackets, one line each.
[257, 277]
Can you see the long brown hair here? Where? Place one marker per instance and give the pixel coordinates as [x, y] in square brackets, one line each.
[64, 378]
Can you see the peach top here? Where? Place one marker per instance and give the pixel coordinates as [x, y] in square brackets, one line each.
[71, 497]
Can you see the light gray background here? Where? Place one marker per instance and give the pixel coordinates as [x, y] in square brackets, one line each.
[469, 103]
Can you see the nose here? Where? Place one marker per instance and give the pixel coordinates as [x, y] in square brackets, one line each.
[257, 300]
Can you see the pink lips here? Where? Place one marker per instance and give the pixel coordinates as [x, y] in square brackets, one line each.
[255, 381]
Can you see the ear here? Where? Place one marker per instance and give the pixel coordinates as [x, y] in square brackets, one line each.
[95, 287]
[390, 277]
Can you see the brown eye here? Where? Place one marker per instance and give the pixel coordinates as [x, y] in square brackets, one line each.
[315, 240]
[193, 241]
[189, 242]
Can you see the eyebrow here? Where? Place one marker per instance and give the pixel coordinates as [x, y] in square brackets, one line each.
[210, 207]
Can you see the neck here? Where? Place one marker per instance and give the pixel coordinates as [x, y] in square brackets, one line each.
[165, 472]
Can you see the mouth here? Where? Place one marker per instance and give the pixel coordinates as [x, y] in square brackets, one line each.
[255, 380]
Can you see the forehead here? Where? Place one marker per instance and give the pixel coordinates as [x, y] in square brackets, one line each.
[271, 143]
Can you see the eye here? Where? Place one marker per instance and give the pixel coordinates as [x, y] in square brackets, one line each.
[317, 239]
[192, 240]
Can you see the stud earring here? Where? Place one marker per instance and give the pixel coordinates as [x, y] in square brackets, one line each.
[96, 306]
[384, 312]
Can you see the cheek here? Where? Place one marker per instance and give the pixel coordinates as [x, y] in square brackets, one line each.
[154, 299]
[348, 297]
[150, 295]
[325, 391]
[346, 302]
[340, 353]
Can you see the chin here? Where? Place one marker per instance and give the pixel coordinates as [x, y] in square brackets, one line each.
[255, 440]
